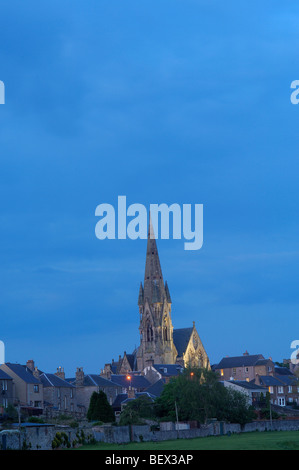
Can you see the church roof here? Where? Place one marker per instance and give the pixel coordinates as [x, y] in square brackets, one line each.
[181, 338]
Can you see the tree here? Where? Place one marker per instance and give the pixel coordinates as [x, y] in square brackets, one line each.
[99, 409]
[136, 410]
[198, 395]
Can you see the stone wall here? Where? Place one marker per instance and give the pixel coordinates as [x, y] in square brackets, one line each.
[40, 437]
[125, 434]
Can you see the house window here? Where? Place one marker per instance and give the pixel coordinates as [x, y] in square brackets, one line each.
[72, 393]
[246, 369]
[281, 402]
[234, 371]
[4, 385]
[280, 390]
[221, 373]
[58, 393]
[37, 404]
[290, 389]
[270, 389]
[35, 388]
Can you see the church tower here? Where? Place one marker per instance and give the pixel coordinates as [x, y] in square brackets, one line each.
[156, 330]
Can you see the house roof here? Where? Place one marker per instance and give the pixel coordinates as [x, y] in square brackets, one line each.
[168, 370]
[137, 381]
[4, 375]
[239, 361]
[287, 379]
[99, 381]
[269, 380]
[23, 372]
[181, 338]
[283, 371]
[119, 399]
[93, 380]
[123, 398]
[52, 380]
[156, 389]
[247, 385]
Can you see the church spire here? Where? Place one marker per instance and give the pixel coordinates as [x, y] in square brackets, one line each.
[154, 289]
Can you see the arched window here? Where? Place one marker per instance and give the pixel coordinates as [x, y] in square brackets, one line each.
[149, 333]
[165, 333]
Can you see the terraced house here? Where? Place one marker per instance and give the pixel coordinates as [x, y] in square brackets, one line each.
[282, 386]
[244, 367]
[27, 388]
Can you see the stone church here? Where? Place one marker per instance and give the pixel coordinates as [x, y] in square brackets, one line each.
[160, 343]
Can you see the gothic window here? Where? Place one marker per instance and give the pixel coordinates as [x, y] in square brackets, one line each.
[149, 333]
[165, 333]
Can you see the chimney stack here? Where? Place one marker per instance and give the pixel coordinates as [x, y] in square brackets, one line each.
[60, 373]
[79, 377]
[30, 364]
[131, 392]
[36, 373]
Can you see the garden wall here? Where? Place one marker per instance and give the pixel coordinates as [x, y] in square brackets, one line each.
[168, 431]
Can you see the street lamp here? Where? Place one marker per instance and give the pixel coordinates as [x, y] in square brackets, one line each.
[130, 379]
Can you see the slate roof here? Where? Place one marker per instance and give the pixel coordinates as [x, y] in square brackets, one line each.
[168, 370]
[269, 380]
[283, 371]
[239, 361]
[123, 398]
[4, 375]
[287, 379]
[138, 395]
[119, 399]
[23, 372]
[131, 360]
[137, 381]
[93, 380]
[181, 338]
[247, 385]
[52, 380]
[156, 389]
[100, 381]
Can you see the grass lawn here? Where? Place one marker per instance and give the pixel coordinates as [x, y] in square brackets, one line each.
[275, 440]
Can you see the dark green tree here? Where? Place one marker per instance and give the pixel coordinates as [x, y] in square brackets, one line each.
[100, 409]
[198, 395]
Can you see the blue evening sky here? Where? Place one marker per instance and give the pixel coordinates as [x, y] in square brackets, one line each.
[174, 101]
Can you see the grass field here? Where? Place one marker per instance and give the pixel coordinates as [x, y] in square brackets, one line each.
[276, 440]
